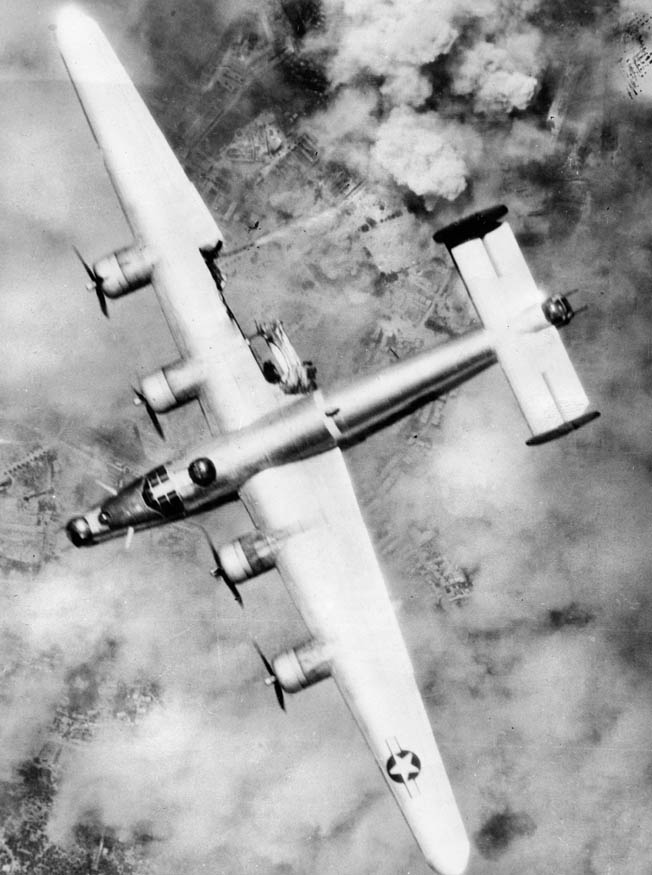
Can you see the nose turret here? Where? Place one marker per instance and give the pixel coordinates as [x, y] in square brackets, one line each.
[132, 506]
[128, 508]
[79, 532]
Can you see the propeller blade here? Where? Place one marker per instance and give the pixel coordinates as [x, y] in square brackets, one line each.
[233, 589]
[155, 421]
[218, 571]
[141, 399]
[110, 489]
[268, 665]
[280, 698]
[101, 300]
[271, 680]
[89, 270]
[95, 283]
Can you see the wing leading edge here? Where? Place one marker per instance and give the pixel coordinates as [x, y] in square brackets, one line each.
[154, 191]
[332, 574]
[168, 217]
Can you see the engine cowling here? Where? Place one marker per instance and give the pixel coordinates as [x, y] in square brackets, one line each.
[172, 386]
[123, 271]
[302, 666]
[555, 311]
[247, 557]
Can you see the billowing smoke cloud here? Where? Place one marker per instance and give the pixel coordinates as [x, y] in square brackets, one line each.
[424, 64]
[371, 38]
[494, 76]
[433, 163]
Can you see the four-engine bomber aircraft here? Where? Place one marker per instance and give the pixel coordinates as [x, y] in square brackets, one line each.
[276, 438]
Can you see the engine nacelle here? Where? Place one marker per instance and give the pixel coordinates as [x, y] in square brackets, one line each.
[555, 311]
[172, 386]
[123, 271]
[302, 666]
[246, 557]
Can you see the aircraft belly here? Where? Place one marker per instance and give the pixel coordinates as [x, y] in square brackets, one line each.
[332, 574]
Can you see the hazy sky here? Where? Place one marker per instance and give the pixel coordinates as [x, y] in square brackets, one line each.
[539, 689]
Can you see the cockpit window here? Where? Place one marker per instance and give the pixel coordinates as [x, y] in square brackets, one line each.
[159, 494]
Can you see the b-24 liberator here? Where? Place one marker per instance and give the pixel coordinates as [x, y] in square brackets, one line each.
[276, 439]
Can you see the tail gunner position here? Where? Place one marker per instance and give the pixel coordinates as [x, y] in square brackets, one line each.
[276, 439]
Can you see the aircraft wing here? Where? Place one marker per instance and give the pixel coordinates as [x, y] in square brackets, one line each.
[509, 303]
[327, 562]
[331, 571]
[169, 218]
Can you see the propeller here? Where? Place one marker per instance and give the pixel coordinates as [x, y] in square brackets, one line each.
[141, 399]
[218, 571]
[105, 486]
[95, 283]
[271, 679]
[582, 308]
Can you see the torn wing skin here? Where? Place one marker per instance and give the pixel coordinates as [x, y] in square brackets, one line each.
[525, 322]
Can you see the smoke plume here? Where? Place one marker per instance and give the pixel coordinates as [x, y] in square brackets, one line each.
[425, 64]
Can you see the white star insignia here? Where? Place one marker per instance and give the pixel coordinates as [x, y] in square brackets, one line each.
[403, 766]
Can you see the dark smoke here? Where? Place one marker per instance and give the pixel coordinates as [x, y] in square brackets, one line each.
[500, 830]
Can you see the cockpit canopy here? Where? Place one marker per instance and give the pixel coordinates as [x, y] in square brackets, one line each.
[160, 495]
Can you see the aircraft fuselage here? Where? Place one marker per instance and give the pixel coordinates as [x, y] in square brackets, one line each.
[307, 426]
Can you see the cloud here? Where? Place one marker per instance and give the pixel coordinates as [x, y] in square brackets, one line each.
[413, 56]
[418, 151]
[389, 40]
[346, 130]
[490, 74]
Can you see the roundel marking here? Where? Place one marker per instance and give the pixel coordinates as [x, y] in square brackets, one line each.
[403, 766]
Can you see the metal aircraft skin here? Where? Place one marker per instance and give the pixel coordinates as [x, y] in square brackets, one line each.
[276, 438]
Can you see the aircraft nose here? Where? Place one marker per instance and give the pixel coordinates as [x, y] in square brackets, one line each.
[79, 532]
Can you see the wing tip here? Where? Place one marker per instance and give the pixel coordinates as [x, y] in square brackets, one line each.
[470, 227]
[451, 861]
[439, 830]
[562, 429]
[72, 22]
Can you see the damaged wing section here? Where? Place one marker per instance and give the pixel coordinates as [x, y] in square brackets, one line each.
[294, 376]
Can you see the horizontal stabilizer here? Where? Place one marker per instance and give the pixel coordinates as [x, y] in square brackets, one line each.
[524, 322]
[475, 225]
